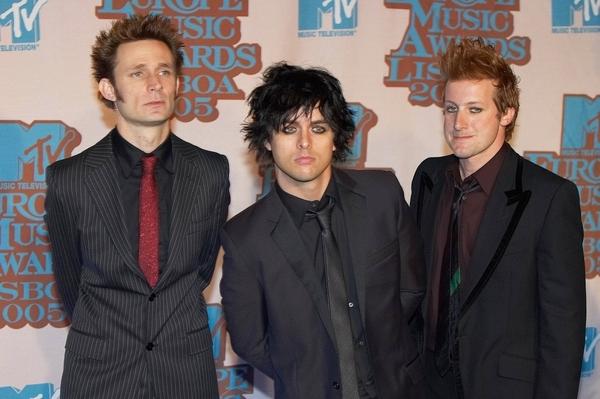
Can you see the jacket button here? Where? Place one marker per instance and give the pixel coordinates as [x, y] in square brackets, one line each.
[149, 346]
[152, 297]
[335, 385]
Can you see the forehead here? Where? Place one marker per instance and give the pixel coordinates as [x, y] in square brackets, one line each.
[308, 114]
[463, 91]
[143, 52]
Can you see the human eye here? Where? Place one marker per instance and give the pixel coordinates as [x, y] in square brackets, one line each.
[450, 108]
[475, 110]
[165, 72]
[319, 129]
[136, 74]
[288, 129]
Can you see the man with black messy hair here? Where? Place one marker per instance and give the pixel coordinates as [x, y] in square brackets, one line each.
[322, 276]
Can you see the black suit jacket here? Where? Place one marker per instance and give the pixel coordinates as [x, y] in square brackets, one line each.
[277, 314]
[128, 340]
[522, 317]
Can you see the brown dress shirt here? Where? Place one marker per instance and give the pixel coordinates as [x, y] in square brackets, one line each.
[470, 217]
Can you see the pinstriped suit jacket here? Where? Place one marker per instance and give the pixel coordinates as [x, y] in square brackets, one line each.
[128, 340]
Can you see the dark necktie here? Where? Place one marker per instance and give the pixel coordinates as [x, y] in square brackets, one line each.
[446, 346]
[338, 303]
[148, 229]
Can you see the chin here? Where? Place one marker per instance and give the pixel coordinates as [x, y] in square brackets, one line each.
[155, 122]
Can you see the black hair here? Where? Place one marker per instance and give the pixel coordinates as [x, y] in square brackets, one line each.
[288, 91]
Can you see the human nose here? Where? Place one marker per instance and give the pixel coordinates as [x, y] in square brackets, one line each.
[304, 139]
[460, 120]
[154, 83]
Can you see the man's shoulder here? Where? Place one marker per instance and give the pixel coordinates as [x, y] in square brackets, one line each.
[202, 160]
[433, 165]
[77, 161]
[192, 151]
[252, 217]
[537, 176]
[367, 177]
[69, 163]
[379, 186]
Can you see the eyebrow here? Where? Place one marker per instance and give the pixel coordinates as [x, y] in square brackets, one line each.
[317, 122]
[468, 103]
[161, 65]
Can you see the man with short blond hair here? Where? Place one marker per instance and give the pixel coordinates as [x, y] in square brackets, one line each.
[505, 307]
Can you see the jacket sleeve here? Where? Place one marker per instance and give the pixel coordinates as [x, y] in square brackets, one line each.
[411, 260]
[416, 200]
[221, 205]
[561, 286]
[245, 310]
[61, 222]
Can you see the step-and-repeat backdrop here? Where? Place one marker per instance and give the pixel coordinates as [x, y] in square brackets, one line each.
[384, 53]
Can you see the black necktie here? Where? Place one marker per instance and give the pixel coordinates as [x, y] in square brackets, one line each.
[446, 346]
[338, 303]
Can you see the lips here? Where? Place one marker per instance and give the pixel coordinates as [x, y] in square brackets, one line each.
[304, 160]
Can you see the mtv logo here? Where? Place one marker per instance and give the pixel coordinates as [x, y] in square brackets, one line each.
[25, 150]
[563, 12]
[364, 120]
[33, 391]
[344, 14]
[589, 354]
[22, 16]
[581, 122]
[216, 324]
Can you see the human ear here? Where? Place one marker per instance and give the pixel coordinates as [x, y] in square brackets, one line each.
[106, 88]
[507, 117]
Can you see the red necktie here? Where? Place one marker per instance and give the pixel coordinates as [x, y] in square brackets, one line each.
[148, 238]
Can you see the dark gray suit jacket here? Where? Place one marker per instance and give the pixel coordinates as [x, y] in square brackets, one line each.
[128, 340]
[277, 314]
[522, 317]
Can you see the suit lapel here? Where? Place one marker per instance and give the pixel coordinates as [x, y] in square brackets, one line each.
[287, 238]
[185, 194]
[355, 220]
[103, 185]
[428, 198]
[430, 191]
[507, 202]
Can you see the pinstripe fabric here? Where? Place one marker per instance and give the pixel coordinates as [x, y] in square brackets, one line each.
[115, 313]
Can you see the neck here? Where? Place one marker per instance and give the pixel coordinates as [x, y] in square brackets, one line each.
[468, 166]
[146, 138]
[308, 191]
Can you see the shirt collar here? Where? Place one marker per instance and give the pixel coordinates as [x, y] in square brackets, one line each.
[486, 175]
[129, 156]
[297, 207]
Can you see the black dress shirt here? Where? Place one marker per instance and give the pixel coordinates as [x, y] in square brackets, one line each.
[129, 166]
[310, 231]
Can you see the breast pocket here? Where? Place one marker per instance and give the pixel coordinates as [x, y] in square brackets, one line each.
[198, 225]
[516, 367]
[199, 341]
[85, 346]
